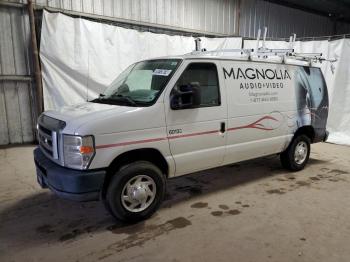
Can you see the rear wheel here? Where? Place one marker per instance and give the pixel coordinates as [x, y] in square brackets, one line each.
[136, 191]
[297, 154]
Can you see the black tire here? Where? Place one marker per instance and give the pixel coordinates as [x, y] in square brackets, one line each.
[288, 156]
[113, 199]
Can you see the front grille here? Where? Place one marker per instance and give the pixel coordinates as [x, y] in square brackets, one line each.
[48, 130]
[48, 141]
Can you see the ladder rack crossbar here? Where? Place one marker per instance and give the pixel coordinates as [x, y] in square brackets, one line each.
[267, 50]
[230, 51]
[245, 51]
[307, 54]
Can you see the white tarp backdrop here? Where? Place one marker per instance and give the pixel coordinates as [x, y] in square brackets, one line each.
[81, 58]
[338, 83]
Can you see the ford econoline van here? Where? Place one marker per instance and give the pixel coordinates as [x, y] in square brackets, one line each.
[172, 116]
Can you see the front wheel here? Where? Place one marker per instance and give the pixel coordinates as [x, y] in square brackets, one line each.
[136, 191]
[297, 154]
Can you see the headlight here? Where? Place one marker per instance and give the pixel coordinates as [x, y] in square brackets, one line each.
[78, 151]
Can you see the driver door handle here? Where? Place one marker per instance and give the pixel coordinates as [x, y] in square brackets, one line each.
[222, 127]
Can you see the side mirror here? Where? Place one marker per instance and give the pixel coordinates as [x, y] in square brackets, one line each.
[185, 96]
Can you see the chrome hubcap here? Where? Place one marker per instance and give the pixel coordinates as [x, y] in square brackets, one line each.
[300, 152]
[138, 193]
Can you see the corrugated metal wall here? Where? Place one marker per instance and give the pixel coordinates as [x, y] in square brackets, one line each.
[281, 21]
[213, 16]
[210, 16]
[343, 28]
[16, 121]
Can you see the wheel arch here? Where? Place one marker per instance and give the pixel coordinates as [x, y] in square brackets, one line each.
[146, 154]
[309, 131]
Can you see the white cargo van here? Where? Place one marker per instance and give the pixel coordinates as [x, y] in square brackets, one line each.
[176, 115]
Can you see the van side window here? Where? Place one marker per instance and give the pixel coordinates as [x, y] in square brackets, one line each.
[204, 77]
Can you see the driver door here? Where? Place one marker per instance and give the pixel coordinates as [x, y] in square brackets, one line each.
[197, 135]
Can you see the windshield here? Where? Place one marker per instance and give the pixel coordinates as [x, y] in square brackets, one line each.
[140, 84]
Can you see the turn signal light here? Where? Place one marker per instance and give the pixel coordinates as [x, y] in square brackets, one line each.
[86, 149]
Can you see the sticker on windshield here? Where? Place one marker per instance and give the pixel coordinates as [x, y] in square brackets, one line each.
[161, 72]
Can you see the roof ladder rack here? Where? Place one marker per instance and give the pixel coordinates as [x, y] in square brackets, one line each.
[263, 52]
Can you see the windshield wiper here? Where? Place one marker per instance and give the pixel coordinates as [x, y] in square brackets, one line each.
[114, 99]
[123, 98]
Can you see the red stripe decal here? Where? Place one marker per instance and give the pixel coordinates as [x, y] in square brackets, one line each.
[311, 113]
[131, 143]
[155, 139]
[257, 125]
[194, 134]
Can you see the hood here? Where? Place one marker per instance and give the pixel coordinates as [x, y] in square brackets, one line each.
[76, 115]
[93, 118]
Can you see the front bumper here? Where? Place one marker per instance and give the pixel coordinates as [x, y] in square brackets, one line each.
[77, 185]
